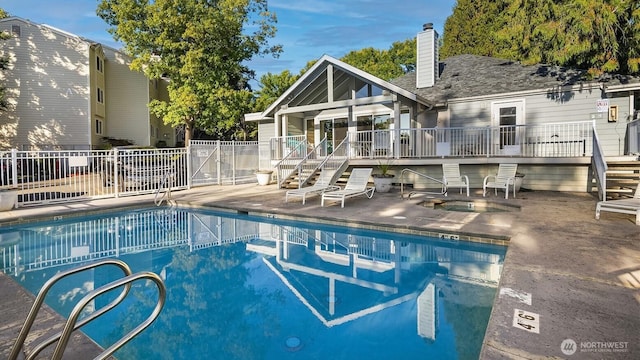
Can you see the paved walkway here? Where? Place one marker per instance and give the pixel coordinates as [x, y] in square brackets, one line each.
[573, 280]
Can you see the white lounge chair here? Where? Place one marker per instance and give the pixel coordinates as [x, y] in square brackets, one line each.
[322, 184]
[451, 178]
[506, 177]
[624, 206]
[356, 185]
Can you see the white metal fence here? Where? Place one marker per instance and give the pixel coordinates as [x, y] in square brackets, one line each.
[226, 162]
[42, 177]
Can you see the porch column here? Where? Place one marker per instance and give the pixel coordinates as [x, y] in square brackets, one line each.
[276, 128]
[397, 150]
[352, 126]
[416, 136]
[285, 124]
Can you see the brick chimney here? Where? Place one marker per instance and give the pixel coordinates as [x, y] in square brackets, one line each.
[427, 57]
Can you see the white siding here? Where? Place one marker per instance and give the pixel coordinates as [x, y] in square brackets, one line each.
[473, 113]
[48, 89]
[266, 131]
[552, 107]
[536, 177]
[427, 62]
[126, 98]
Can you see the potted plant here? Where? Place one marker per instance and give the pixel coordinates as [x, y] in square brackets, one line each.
[518, 181]
[383, 180]
[264, 176]
[8, 199]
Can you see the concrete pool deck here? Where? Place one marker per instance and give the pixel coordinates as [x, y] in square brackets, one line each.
[570, 285]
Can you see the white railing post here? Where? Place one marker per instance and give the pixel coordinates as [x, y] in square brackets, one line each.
[189, 166]
[233, 162]
[14, 167]
[219, 161]
[116, 175]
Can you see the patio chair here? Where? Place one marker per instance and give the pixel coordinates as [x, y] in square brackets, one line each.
[356, 185]
[451, 178]
[624, 206]
[322, 184]
[505, 177]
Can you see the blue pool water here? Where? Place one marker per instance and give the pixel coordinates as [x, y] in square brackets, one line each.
[241, 287]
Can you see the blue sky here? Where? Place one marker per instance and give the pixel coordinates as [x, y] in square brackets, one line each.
[307, 29]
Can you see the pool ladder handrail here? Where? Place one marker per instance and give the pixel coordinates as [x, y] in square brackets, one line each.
[72, 322]
[167, 194]
[443, 188]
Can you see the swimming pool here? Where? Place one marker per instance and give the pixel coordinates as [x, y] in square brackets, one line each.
[242, 287]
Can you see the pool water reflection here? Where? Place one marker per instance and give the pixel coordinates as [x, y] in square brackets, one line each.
[241, 287]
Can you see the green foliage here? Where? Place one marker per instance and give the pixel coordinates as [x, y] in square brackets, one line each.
[271, 87]
[472, 27]
[389, 64]
[598, 35]
[201, 48]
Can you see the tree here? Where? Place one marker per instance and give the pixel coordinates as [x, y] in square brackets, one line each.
[272, 86]
[471, 28]
[4, 65]
[389, 64]
[598, 35]
[200, 46]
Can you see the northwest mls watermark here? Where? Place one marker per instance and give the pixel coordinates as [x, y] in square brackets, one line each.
[570, 347]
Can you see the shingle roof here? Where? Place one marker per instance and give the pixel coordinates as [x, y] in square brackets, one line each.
[465, 76]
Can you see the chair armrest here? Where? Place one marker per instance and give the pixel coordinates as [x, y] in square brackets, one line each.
[486, 179]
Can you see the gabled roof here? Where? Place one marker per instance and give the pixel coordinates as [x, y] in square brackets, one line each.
[466, 76]
[59, 32]
[319, 69]
[54, 29]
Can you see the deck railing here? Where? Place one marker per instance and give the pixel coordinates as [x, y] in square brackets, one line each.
[634, 137]
[569, 139]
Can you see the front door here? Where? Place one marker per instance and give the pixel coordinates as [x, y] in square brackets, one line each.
[335, 130]
[506, 116]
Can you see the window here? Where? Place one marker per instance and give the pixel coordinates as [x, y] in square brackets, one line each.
[99, 64]
[98, 127]
[15, 30]
[374, 122]
[100, 95]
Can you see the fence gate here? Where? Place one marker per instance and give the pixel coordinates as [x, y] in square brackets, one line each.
[223, 162]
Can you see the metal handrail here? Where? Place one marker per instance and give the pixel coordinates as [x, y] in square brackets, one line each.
[37, 304]
[444, 186]
[126, 281]
[314, 152]
[72, 322]
[600, 166]
[292, 157]
[166, 194]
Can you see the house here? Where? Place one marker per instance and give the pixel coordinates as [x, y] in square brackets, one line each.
[66, 92]
[474, 110]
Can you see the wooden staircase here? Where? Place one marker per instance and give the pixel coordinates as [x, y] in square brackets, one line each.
[293, 181]
[622, 178]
